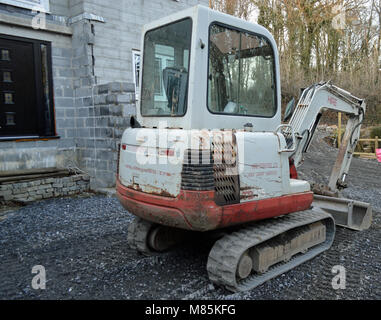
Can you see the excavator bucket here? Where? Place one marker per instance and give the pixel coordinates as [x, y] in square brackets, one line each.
[352, 214]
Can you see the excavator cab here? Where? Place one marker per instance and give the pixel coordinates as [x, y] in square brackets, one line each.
[207, 150]
[203, 69]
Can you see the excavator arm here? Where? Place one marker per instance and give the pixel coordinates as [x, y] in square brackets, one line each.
[312, 103]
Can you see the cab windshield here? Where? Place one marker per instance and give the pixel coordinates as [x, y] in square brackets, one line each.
[166, 69]
[241, 73]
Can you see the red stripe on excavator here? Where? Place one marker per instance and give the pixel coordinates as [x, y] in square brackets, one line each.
[196, 210]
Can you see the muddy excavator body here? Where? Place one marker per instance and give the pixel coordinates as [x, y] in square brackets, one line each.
[207, 151]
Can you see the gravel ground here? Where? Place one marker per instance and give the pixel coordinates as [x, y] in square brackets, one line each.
[82, 243]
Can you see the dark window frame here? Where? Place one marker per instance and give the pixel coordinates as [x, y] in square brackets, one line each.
[227, 26]
[39, 89]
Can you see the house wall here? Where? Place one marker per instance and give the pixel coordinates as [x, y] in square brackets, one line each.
[60, 7]
[113, 106]
[92, 43]
[115, 39]
[106, 104]
[17, 155]
[76, 7]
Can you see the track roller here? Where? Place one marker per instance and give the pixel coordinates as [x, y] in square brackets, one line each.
[244, 267]
[150, 238]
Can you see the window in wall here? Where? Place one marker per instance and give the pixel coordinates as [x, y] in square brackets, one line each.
[8, 98]
[26, 107]
[241, 73]
[10, 118]
[5, 55]
[7, 76]
[136, 71]
[37, 5]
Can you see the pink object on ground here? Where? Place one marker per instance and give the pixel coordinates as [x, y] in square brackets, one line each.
[378, 153]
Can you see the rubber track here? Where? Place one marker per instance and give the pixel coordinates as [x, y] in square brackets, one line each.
[226, 252]
[137, 235]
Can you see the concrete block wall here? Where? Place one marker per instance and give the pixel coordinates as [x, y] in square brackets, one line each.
[103, 88]
[76, 7]
[63, 80]
[60, 7]
[121, 32]
[103, 124]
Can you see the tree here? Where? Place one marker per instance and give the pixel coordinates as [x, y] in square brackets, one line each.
[321, 40]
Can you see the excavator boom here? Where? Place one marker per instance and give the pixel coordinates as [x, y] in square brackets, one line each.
[312, 103]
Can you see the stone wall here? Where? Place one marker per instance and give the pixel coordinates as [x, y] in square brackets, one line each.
[44, 188]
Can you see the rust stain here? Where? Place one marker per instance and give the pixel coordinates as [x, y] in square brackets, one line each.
[162, 193]
[35, 139]
[248, 195]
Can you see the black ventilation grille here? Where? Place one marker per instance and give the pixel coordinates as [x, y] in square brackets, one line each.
[225, 168]
[197, 174]
[213, 170]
